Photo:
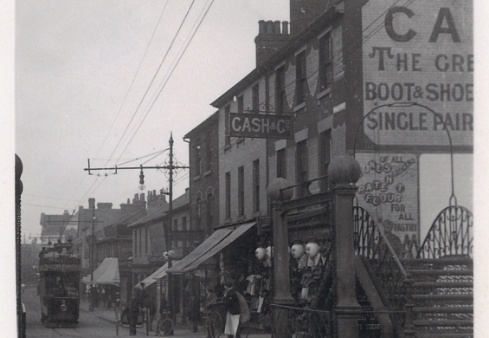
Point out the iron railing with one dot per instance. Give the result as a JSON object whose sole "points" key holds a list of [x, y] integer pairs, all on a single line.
{"points": [[450, 234], [305, 322], [388, 273]]}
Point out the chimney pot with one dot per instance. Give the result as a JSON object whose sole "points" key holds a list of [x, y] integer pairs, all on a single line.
{"points": [[269, 29], [285, 28], [276, 27], [261, 27]]}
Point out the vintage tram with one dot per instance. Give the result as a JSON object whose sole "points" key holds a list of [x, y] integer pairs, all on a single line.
{"points": [[59, 285]]}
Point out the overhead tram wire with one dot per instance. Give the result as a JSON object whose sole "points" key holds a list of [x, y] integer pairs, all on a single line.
{"points": [[168, 78], [151, 83], [180, 52], [140, 158], [123, 102], [90, 191], [132, 82]]}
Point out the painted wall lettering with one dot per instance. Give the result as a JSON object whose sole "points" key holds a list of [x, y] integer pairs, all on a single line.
{"points": [[387, 189], [422, 54]]}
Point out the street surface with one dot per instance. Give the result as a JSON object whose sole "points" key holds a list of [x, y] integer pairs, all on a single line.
{"points": [[97, 324]]}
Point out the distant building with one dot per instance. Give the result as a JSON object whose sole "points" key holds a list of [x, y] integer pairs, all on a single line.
{"points": [[53, 227]]}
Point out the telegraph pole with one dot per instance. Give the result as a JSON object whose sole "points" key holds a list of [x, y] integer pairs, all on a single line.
{"points": [[170, 167], [171, 293], [92, 263]]}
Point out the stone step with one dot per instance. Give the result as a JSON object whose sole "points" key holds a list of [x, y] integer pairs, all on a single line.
{"points": [[465, 284], [446, 309], [467, 323], [449, 297]]}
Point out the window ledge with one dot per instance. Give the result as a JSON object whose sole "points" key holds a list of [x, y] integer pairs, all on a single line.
{"points": [[299, 107], [196, 178], [208, 172], [324, 93]]}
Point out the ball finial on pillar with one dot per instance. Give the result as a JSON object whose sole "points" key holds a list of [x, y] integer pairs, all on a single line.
{"points": [[276, 190], [344, 170]]}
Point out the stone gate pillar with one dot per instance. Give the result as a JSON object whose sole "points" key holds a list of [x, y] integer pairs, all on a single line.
{"points": [[281, 279], [343, 173]]}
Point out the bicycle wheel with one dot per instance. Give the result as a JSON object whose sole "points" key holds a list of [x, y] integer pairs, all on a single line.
{"points": [[166, 326], [215, 324]]}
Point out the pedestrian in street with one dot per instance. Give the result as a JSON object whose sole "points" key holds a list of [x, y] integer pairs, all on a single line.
{"points": [[210, 300], [231, 302], [150, 311], [134, 308], [162, 310]]}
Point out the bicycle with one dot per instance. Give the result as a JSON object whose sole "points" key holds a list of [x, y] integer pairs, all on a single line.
{"points": [[214, 324], [165, 324]]}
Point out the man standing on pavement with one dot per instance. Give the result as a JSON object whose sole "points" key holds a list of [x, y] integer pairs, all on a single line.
{"points": [[134, 308]]}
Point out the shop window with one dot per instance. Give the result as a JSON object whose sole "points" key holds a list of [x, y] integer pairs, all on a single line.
{"points": [[241, 191], [255, 99], [325, 62], [240, 104], [184, 223], [302, 168], [281, 163], [324, 158], [280, 95], [210, 216], [227, 138], [228, 195], [146, 246], [208, 147], [256, 185], [337, 46], [140, 244], [300, 78], [198, 159]]}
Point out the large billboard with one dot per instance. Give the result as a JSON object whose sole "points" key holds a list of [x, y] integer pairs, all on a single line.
{"points": [[419, 52]]}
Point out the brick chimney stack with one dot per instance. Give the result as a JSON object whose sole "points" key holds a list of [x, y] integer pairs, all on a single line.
{"points": [[271, 37]]}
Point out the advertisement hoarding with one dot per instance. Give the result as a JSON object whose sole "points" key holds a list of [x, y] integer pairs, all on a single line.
{"points": [[422, 52]]}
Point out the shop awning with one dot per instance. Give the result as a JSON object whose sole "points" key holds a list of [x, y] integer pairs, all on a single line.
{"points": [[155, 276], [106, 273], [216, 242]]}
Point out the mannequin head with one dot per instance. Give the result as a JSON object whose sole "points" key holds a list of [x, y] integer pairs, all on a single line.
{"points": [[312, 249], [297, 251], [260, 253], [268, 252]]}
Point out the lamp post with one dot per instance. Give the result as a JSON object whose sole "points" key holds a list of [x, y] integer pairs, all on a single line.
{"points": [[92, 264], [343, 173], [281, 281]]}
